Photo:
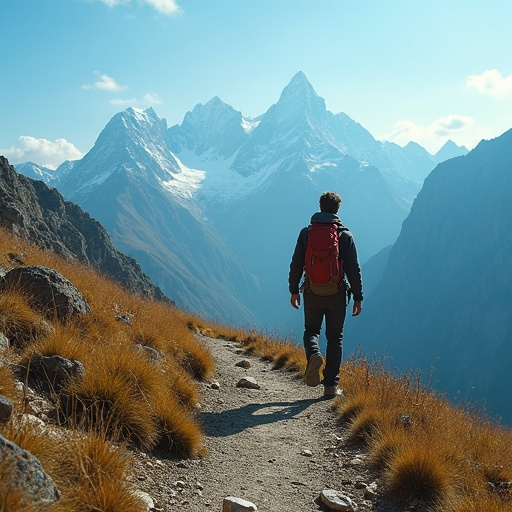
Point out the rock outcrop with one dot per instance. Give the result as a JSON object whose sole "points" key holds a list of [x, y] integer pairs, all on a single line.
{"points": [[38, 213]]}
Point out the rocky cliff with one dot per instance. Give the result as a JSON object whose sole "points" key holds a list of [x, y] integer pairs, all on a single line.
{"points": [[32, 210]]}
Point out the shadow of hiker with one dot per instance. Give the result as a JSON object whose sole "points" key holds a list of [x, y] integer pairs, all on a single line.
{"points": [[226, 423]]}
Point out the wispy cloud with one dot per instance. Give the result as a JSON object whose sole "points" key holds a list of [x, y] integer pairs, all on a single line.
{"points": [[162, 6], [430, 136], [152, 98], [41, 151], [105, 83], [491, 82], [149, 99]]}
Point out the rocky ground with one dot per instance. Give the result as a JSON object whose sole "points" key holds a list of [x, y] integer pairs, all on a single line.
{"points": [[277, 447]]}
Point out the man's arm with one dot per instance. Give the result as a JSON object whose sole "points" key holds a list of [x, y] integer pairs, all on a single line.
{"points": [[297, 268], [352, 269]]}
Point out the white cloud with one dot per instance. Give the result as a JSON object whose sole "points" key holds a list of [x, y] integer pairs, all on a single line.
{"points": [[433, 135], [41, 151], [491, 82], [152, 98], [105, 83], [162, 6]]}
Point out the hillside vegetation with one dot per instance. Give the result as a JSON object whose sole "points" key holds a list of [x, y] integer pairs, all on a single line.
{"points": [[424, 448]]}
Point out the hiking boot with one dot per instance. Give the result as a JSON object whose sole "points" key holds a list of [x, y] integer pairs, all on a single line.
{"points": [[333, 391], [312, 373]]}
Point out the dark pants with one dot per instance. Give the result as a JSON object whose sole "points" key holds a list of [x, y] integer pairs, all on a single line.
{"points": [[333, 308]]}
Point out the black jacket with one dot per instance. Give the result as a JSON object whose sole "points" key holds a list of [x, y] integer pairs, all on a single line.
{"points": [[348, 255]]}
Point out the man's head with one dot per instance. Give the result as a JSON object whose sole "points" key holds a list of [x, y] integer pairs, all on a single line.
{"points": [[330, 202]]}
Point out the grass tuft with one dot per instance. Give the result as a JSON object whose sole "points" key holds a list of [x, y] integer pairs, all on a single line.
{"points": [[418, 472]]}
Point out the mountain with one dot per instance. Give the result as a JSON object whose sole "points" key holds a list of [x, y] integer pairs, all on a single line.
{"points": [[445, 298], [260, 196], [38, 213], [36, 172], [132, 183], [412, 161], [223, 133], [211, 208], [450, 150]]}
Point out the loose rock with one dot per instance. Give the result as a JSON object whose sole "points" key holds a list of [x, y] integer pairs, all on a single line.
{"points": [[248, 382], [232, 504], [27, 476], [5, 409], [146, 499], [335, 500]]}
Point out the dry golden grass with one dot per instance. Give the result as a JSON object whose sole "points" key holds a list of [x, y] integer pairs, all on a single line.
{"points": [[422, 446], [418, 472], [7, 383], [124, 395], [97, 477], [18, 321], [284, 354]]}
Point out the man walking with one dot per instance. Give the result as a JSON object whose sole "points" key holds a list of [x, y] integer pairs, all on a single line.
{"points": [[325, 297]]}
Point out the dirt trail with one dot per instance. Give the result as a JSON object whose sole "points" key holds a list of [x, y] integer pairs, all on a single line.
{"points": [[278, 447]]}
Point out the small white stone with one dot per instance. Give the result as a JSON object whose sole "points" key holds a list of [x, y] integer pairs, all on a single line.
{"points": [[146, 499], [335, 500], [248, 382], [232, 504]]}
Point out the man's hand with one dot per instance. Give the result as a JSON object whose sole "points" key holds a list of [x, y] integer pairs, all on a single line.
{"points": [[356, 308], [295, 300]]}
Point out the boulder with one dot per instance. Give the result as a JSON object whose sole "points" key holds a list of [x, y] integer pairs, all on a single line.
{"points": [[47, 291], [53, 371], [28, 478], [5, 409]]}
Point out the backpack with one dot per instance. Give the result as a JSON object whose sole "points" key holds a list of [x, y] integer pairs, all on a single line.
{"points": [[324, 271]]}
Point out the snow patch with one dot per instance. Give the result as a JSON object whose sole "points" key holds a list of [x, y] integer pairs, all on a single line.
{"points": [[319, 167], [185, 184], [248, 125], [221, 183]]}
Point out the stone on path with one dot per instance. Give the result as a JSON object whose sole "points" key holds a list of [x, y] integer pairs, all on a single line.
{"points": [[146, 499], [232, 504], [248, 382], [244, 363], [336, 500]]}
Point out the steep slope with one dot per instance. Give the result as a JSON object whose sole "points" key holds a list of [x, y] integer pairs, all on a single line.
{"points": [[133, 184], [445, 299], [33, 210]]}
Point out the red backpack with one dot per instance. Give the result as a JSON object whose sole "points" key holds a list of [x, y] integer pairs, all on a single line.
{"points": [[324, 271]]}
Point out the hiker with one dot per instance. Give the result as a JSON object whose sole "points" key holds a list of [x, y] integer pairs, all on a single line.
{"points": [[326, 254]]}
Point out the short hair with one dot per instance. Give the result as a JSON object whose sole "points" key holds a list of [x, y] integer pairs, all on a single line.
{"points": [[330, 202]]}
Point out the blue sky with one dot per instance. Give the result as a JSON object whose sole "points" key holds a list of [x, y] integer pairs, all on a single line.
{"points": [[422, 70]]}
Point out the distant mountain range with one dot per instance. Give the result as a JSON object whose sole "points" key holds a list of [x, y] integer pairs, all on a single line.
{"points": [[211, 208], [443, 305]]}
